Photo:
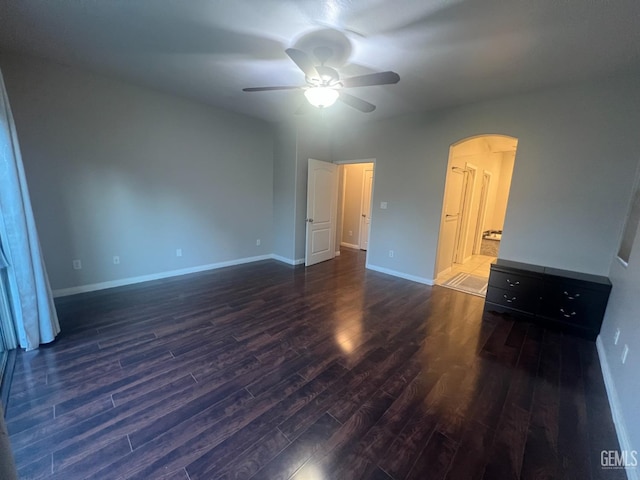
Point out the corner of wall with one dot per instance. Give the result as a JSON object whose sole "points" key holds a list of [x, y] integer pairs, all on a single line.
{"points": [[614, 405]]}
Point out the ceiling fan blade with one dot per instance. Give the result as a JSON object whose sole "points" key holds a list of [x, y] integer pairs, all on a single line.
{"points": [[380, 78], [356, 103], [303, 62], [266, 89]]}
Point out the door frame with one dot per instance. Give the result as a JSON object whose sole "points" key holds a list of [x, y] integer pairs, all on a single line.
{"points": [[451, 169], [436, 270], [363, 210], [341, 189], [482, 210], [471, 173]]}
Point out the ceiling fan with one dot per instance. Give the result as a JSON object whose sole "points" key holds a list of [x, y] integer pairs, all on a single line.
{"points": [[324, 85]]}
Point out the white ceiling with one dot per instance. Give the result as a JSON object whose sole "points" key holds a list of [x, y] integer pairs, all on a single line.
{"points": [[447, 52]]}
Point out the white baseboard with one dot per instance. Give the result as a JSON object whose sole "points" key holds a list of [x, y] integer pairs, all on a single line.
{"points": [[288, 261], [614, 405], [63, 292], [406, 276], [350, 245], [337, 253]]}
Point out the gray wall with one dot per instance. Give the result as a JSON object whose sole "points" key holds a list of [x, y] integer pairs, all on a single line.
{"points": [[115, 169], [573, 173], [284, 191], [623, 312]]}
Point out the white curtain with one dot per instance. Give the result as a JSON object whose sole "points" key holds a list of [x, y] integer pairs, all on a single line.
{"points": [[24, 279]]}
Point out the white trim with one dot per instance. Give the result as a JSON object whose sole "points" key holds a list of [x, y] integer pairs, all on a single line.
{"points": [[288, 261], [369, 211], [468, 206], [344, 172], [354, 161], [614, 405], [63, 292], [337, 253], [350, 245], [406, 276], [624, 264]]}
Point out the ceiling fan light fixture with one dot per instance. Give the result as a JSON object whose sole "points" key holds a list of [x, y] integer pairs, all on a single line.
{"points": [[321, 97]]}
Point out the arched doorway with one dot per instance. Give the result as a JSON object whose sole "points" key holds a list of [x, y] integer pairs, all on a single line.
{"points": [[475, 201]]}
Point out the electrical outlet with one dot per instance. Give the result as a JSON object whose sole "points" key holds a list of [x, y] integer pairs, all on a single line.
{"points": [[390, 253], [178, 252], [257, 242], [116, 260], [616, 337], [625, 352], [77, 265], [351, 233], [383, 205]]}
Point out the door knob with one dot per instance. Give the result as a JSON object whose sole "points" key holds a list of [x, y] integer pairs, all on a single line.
{"points": [[310, 220], [364, 216]]}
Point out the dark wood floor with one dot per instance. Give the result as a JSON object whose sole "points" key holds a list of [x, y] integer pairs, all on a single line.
{"points": [[266, 371]]}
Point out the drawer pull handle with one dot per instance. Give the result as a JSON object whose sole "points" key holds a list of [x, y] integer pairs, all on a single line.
{"points": [[509, 300], [512, 284], [567, 314], [572, 297]]}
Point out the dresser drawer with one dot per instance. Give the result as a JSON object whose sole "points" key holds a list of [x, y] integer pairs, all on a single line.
{"points": [[523, 301], [572, 304], [514, 282]]}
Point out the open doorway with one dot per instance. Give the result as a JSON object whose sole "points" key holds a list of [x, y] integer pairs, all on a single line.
{"points": [[354, 204], [476, 194]]}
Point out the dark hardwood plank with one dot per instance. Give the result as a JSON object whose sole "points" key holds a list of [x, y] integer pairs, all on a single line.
{"points": [[230, 449], [399, 456], [540, 459], [295, 455], [252, 460], [36, 469], [573, 431], [89, 459], [435, 459], [196, 436], [505, 460], [335, 449], [472, 455], [44, 430]]}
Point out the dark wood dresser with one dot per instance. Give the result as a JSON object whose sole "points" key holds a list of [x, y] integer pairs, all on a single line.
{"points": [[570, 301]]}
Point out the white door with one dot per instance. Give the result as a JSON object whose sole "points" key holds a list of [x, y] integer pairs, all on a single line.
{"points": [[365, 209], [322, 200], [450, 229]]}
